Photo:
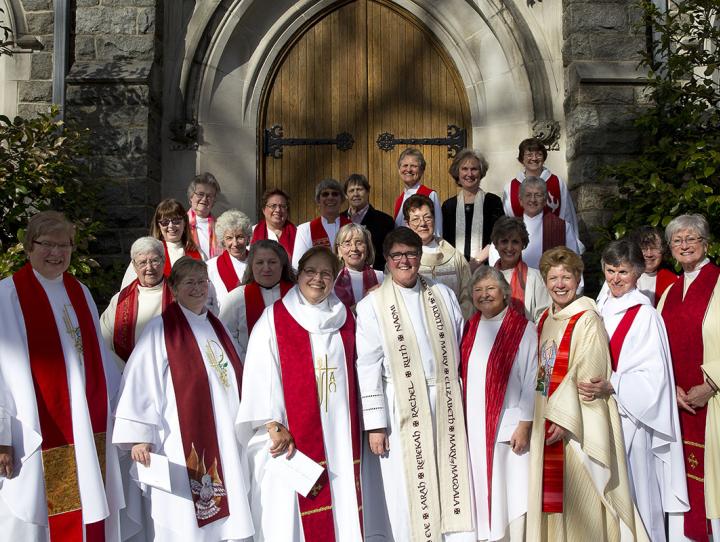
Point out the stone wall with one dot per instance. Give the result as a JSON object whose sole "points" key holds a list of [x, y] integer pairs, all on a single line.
{"points": [[34, 90]]}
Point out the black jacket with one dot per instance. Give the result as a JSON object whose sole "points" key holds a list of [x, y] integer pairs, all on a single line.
{"points": [[379, 224], [492, 210]]}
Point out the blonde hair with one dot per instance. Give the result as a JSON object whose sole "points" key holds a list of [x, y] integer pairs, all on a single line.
{"points": [[45, 223], [561, 256], [346, 232]]}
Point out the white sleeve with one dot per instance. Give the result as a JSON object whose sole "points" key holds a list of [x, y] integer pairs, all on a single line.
{"points": [[303, 243], [493, 255], [527, 357], [232, 314], [370, 358], [507, 204]]}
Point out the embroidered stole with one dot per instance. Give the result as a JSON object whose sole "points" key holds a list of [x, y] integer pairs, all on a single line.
{"points": [[554, 455], [286, 239], [686, 347], [476, 228], [422, 190], [192, 219], [255, 304], [499, 364], [437, 483], [618, 338], [194, 254], [518, 282], [52, 394], [344, 289], [318, 234], [195, 410], [553, 232], [126, 317], [227, 272], [303, 415], [552, 183], [663, 280]]}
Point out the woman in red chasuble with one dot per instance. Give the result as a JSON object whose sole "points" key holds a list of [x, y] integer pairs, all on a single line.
{"points": [[354, 247], [691, 310], [275, 223], [300, 398]]}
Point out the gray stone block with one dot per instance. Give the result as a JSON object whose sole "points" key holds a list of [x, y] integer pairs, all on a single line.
{"points": [[105, 20], [123, 47], [32, 110], [87, 3], [35, 91], [146, 21], [591, 17], [39, 22], [41, 66], [616, 47], [85, 48], [136, 3], [111, 71], [37, 5]]}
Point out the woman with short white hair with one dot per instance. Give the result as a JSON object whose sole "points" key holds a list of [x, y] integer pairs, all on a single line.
{"points": [[354, 248], [234, 230]]}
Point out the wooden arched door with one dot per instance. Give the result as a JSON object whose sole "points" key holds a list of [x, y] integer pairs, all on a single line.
{"points": [[365, 68]]}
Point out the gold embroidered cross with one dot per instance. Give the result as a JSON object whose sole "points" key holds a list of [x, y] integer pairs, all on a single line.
{"points": [[73, 331], [325, 381], [216, 358], [693, 461]]}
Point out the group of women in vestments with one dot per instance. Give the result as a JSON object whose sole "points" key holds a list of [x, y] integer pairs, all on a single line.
{"points": [[228, 362]]}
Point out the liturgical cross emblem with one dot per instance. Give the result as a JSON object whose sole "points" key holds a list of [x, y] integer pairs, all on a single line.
{"points": [[325, 377], [216, 358], [73, 331]]}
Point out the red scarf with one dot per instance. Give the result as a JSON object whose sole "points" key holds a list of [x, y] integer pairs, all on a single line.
{"points": [[500, 362], [255, 304], [195, 409], [126, 317], [286, 239], [194, 254], [422, 190], [553, 193], [318, 234], [554, 455], [227, 273], [663, 280], [343, 285], [618, 338], [52, 395], [303, 415], [192, 219], [517, 284], [553, 232], [683, 320]]}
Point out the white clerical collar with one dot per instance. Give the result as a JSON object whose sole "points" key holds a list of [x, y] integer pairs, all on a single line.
{"points": [[614, 305], [325, 221], [45, 280], [578, 304], [191, 316], [201, 220], [414, 288], [328, 316], [148, 289], [175, 244], [413, 187], [432, 246], [537, 218], [690, 275]]}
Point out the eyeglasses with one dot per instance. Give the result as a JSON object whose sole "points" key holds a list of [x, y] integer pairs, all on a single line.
{"points": [[324, 275], [192, 283], [204, 195], [678, 241], [277, 206], [539, 197], [165, 222], [152, 262], [329, 194], [353, 244], [417, 220], [47, 245], [397, 256]]}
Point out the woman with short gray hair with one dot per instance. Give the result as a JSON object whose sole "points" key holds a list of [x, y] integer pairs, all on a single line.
{"points": [[498, 367], [202, 194], [691, 310], [225, 271], [321, 231], [411, 167]]}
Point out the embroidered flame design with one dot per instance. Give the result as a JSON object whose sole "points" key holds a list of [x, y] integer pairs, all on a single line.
{"points": [[205, 484]]}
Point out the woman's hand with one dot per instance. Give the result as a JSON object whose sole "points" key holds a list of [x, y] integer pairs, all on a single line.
{"points": [[682, 400], [282, 440], [597, 388], [698, 396], [520, 439], [6, 461], [554, 434], [141, 453], [378, 440]]}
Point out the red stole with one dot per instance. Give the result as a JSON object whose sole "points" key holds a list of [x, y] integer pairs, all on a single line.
{"points": [[552, 184], [683, 320], [318, 234], [499, 365], [422, 190], [254, 303], [618, 338], [303, 414], [663, 280], [194, 254], [343, 285], [227, 273], [126, 317], [518, 282], [192, 220], [195, 411], [553, 231], [286, 239], [52, 395], [554, 455]]}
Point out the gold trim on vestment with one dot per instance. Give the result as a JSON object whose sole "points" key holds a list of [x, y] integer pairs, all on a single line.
{"points": [[696, 478], [315, 510], [691, 443], [61, 480]]}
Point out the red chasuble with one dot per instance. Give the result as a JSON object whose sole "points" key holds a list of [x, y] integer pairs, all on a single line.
{"points": [[554, 455], [254, 303], [422, 190], [553, 232], [192, 220], [686, 348], [499, 365], [553, 203], [618, 338], [126, 317], [318, 234], [343, 285], [52, 395], [227, 273], [303, 415], [194, 254], [286, 239], [195, 410], [517, 284]]}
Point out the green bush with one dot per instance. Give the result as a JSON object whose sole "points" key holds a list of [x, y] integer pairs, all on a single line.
{"points": [[678, 169]]}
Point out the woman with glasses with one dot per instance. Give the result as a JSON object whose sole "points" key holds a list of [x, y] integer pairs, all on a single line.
{"points": [[322, 230], [275, 224], [179, 397], [354, 247], [299, 395], [202, 194], [234, 229], [411, 168], [691, 311], [440, 262], [469, 216], [169, 225]]}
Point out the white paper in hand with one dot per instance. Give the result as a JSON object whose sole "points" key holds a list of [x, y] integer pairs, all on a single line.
{"points": [[157, 474], [299, 472]]}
